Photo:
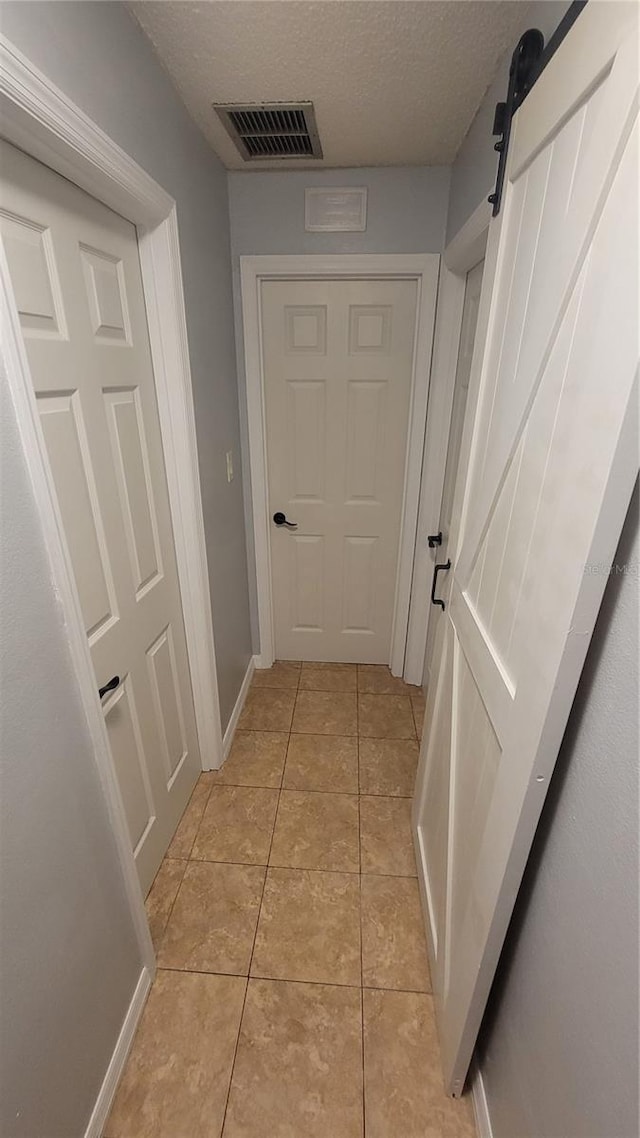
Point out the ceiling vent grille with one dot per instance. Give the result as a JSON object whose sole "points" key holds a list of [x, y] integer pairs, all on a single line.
{"points": [[268, 131]]}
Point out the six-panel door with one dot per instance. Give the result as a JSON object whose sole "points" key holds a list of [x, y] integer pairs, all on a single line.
{"points": [[76, 278], [338, 360]]}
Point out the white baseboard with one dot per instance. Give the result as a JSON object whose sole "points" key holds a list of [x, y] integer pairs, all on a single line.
{"points": [[237, 710], [118, 1059], [480, 1104]]}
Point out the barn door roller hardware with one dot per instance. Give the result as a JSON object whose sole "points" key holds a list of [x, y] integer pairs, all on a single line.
{"points": [[527, 64], [523, 61]]}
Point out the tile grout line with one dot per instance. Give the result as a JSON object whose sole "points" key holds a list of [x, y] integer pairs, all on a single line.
{"points": [[186, 860], [330, 691], [246, 987], [255, 933], [290, 980], [206, 803], [305, 868], [415, 721], [235, 1052], [312, 790], [323, 734], [170, 914], [364, 1107]]}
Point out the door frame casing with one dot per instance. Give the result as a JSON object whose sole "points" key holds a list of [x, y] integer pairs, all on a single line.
{"points": [[39, 119], [460, 256], [421, 267]]}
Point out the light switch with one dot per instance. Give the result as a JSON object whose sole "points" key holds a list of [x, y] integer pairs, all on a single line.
{"points": [[229, 457]]}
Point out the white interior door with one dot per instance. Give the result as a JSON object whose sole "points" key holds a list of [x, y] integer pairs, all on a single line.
{"points": [[337, 364], [76, 278], [552, 458], [473, 285]]}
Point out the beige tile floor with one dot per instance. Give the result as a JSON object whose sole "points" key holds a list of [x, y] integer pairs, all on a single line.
{"points": [[292, 998]]}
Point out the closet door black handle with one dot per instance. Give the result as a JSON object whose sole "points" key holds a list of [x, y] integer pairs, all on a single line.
{"points": [[110, 686], [446, 566], [280, 519]]}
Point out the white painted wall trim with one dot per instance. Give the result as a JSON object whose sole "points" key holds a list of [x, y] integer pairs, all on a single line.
{"points": [[480, 1104], [42, 121], [237, 707], [107, 1091], [423, 268], [468, 246], [162, 280], [463, 252]]}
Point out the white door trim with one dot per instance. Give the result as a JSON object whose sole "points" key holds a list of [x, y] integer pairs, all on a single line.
{"points": [[232, 725], [39, 119], [421, 267], [461, 254]]}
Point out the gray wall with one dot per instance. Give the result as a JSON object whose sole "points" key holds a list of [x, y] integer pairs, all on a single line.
{"points": [[473, 173], [69, 959], [97, 54], [407, 211], [559, 1048]]}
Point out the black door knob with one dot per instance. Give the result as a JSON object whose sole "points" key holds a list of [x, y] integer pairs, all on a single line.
{"points": [[280, 519]]}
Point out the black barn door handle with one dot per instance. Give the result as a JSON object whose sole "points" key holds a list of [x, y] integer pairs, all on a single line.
{"points": [[446, 567]]}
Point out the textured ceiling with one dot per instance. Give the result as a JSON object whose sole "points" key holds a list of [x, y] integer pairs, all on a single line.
{"points": [[394, 82]]}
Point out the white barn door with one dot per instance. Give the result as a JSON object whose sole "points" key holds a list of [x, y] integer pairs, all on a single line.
{"points": [[551, 458]]}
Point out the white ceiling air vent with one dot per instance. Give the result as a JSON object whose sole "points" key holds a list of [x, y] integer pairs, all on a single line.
{"points": [[267, 131]]}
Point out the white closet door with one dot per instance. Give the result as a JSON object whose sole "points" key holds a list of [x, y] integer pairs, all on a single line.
{"points": [[552, 459], [76, 278], [338, 361]]}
